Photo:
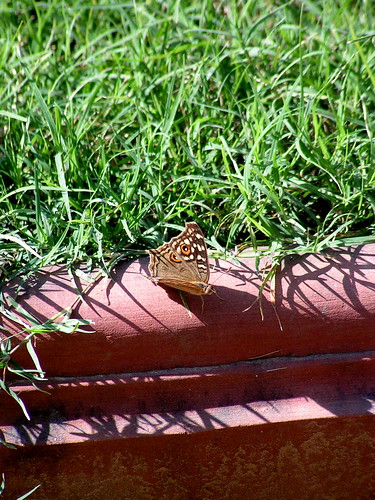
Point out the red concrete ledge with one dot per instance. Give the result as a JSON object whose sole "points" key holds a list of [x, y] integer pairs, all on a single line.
{"points": [[193, 430], [321, 386], [324, 304], [155, 402]]}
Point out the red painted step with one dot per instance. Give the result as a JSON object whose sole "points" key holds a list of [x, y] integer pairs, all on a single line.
{"points": [[178, 391]]}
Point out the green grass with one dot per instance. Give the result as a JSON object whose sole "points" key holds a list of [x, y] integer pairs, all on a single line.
{"points": [[120, 121]]}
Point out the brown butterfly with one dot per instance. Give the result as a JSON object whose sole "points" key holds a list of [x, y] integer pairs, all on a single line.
{"points": [[183, 263]]}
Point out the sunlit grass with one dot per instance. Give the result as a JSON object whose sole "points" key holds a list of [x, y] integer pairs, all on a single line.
{"points": [[120, 121]]}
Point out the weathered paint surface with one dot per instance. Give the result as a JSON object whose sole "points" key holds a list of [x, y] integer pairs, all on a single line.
{"points": [[156, 402], [300, 459], [324, 305]]}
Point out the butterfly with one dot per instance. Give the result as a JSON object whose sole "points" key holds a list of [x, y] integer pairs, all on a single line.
{"points": [[182, 263]]}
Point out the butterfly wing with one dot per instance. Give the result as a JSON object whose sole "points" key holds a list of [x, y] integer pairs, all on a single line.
{"points": [[190, 244], [183, 263]]}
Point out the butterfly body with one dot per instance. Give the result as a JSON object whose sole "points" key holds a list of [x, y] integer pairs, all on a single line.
{"points": [[183, 263]]}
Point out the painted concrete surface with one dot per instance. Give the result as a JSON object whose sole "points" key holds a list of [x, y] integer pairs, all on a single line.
{"points": [[234, 398]]}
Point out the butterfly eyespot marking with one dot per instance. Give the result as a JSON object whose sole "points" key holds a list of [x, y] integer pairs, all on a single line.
{"points": [[185, 249], [174, 258]]}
